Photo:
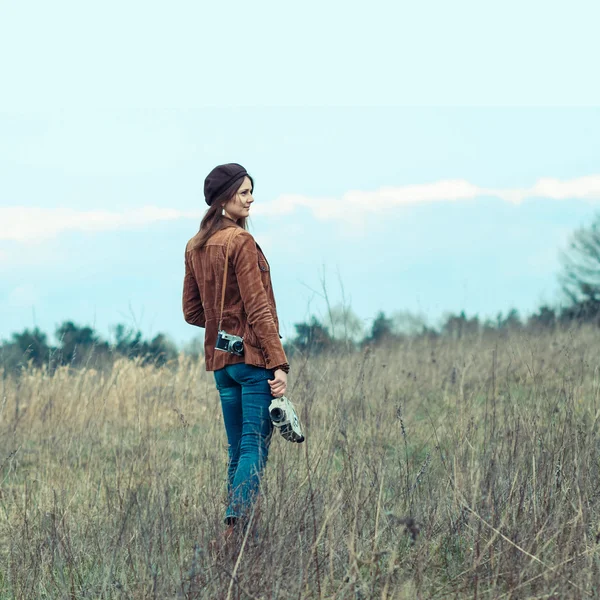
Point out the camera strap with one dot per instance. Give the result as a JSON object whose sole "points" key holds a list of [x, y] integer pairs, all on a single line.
{"points": [[233, 234]]}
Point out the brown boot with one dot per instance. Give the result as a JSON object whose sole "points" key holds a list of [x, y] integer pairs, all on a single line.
{"points": [[224, 544], [229, 533]]}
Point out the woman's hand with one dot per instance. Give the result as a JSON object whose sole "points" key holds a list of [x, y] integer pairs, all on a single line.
{"points": [[278, 383]]}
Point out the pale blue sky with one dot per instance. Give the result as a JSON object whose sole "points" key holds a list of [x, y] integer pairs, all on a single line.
{"points": [[110, 118], [189, 53]]}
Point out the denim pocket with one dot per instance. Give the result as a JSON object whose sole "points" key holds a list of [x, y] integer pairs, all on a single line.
{"points": [[248, 374]]}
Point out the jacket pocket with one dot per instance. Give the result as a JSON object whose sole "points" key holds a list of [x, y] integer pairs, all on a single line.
{"points": [[263, 265]]}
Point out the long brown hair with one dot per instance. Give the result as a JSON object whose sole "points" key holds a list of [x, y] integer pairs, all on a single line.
{"points": [[213, 218]]}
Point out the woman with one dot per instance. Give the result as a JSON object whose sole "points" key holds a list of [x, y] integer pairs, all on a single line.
{"points": [[227, 287]]}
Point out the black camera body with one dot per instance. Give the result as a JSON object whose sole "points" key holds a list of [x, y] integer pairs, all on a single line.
{"points": [[227, 342]]}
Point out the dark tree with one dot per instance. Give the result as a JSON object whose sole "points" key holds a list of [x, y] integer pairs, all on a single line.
{"points": [[127, 341], [26, 347], [311, 337], [457, 326], [78, 344], [512, 320], [131, 344], [381, 330], [580, 276], [160, 350], [545, 318], [584, 311]]}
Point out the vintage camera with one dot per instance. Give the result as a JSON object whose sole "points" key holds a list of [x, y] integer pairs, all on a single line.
{"points": [[284, 417], [227, 342]]}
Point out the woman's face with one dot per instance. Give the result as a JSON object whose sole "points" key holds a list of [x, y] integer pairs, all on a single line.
{"points": [[239, 205]]}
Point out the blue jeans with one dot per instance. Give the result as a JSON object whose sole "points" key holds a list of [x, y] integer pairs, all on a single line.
{"points": [[245, 398]]}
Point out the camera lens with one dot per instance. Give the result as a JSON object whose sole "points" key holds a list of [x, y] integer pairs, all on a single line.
{"points": [[237, 346], [277, 414]]}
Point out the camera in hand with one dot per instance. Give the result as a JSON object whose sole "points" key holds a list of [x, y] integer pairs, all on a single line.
{"points": [[227, 342], [284, 417]]}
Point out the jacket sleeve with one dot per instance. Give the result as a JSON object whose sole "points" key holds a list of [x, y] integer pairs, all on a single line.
{"points": [[256, 304], [193, 311]]}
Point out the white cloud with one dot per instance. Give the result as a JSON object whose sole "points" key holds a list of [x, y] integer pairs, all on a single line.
{"points": [[582, 188], [22, 224], [353, 205], [413, 194]]}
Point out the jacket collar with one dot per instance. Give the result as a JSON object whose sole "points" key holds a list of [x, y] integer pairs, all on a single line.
{"points": [[227, 222]]}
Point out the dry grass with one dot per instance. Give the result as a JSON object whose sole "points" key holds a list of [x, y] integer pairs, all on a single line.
{"points": [[437, 469]]}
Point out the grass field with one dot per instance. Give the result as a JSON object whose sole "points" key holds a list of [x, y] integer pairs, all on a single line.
{"points": [[436, 469]]}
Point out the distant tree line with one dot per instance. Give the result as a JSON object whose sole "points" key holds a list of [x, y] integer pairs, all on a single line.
{"points": [[339, 330], [81, 346], [315, 337], [580, 283]]}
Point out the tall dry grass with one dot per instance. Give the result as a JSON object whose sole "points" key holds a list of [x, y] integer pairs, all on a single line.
{"points": [[462, 469]]}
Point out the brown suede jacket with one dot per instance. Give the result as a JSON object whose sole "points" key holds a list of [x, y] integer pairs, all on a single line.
{"points": [[249, 310]]}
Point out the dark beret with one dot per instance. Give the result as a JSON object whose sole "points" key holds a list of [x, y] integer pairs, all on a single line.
{"points": [[220, 178]]}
